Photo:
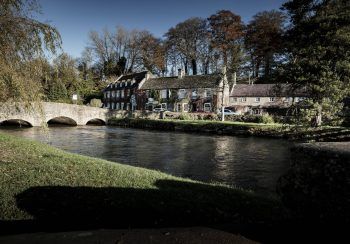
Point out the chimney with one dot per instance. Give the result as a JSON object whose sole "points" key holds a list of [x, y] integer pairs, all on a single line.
{"points": [[180, 73]]}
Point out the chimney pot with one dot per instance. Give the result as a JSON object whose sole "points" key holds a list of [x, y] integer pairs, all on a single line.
{"points": [[181, 73]]}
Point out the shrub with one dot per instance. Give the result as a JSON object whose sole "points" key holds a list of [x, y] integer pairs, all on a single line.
{"points": [[184, 116], [96, 103], [265, 119]]}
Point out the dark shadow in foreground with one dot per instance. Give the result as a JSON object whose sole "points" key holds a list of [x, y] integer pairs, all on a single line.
{"points": [[171, 204]]}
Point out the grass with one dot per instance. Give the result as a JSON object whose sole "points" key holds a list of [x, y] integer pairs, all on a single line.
{"points": [[42, 187]]}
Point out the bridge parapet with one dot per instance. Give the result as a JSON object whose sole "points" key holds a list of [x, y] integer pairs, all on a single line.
{"points": [[37, 114]]}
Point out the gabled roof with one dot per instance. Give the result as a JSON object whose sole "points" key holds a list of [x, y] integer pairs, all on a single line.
{"points": [[267, 90], [137, 76], [186, 82]]}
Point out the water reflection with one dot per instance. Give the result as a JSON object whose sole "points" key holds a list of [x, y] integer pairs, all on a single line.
{"points": [[250, 163]]}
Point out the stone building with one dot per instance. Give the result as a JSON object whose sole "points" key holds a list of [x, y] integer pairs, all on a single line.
{"points": [[197, 93], [182, 93], [263, 98], [121, 94]]}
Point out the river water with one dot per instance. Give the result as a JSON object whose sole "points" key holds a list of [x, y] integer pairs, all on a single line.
{"points": [[247, 162]]}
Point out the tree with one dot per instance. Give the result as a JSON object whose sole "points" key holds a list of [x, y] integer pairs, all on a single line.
{"points": [[263, 40], [319, 57], [22, 40], [226, 30], [152, 53], [185, 38]]}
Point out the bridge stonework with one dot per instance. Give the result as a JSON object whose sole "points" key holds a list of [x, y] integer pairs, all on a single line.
{"points": [[37, 114]]}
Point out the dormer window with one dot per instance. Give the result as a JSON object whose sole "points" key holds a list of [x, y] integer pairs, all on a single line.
{"points": [[257, 99], [271, 99]]}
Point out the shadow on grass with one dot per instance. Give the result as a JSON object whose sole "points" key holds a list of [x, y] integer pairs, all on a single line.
{"points": [[171, 204]]}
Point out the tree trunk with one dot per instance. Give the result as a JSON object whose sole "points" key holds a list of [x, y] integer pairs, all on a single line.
{"points": [[206, 67], [194, 66], [267, 65], [186, 66], [257, 67], [318, 117]]}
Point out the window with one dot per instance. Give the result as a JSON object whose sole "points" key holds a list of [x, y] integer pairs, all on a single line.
{"points": [[117, 107], [118, 94], [113, 105], [127, 92], [207, 92], [108, 94], [164, 105], [122, 93], [113, 93], [243, 99], [288, 100], [105, 95], [207, 107], [194, 94], [185, 106], [256, 111], [233, 99], [182, 93], [108, 105], [122, 106], [178, 107], [271, 99], [257, 99], [164, 93], [128, 106]]}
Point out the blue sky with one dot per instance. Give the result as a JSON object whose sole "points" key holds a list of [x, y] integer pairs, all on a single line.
{"points": [[75, 18]]}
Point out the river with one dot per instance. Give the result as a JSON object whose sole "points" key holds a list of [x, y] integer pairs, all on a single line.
{"points": [[247, 162]]}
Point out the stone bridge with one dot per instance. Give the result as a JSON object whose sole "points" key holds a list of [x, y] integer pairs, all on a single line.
{"points": [[49, 112]]}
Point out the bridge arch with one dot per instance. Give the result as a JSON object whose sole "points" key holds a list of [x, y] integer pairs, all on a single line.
{"points": [[62, 120], [96, 121], [16, 122]]}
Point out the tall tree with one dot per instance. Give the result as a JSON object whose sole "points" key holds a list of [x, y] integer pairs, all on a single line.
{"points": [[263, 40], [226, 29], [185, 38], [22, 39], [319, 44], [152, 53]]}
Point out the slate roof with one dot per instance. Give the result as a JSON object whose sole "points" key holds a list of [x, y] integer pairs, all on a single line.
{"points": [[186, 82], [137, 76], [267, 90]]}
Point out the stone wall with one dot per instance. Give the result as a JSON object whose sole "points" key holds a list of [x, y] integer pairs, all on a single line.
{"points": [[38, 113], [317, 186]]}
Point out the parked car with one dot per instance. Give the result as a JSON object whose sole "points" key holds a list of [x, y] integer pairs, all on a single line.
{"points": [[158, 109], [229, 112]]}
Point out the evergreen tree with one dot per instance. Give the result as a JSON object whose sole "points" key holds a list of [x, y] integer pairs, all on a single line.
{"points": [[318, 49]]}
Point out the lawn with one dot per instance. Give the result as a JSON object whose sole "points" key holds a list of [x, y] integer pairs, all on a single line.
{"points": [[42, 187]]}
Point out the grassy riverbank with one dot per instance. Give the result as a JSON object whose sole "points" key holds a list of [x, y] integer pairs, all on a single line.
{"points": [[42, 187], [239, 128]]}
